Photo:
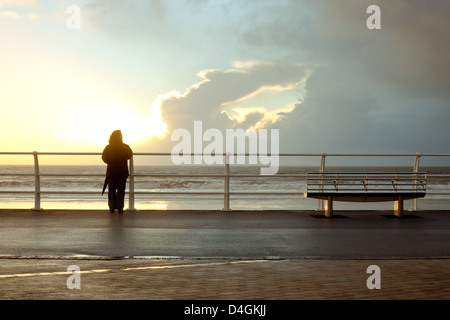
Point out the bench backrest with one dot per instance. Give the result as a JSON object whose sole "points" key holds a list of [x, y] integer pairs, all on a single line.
{"points": [[367, 182]]}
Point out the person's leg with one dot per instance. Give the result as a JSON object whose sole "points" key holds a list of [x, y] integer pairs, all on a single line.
{"points": [[112, 194], [120, 199]]}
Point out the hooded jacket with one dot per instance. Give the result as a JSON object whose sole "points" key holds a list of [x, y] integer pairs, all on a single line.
{"points": [[116, 157]]}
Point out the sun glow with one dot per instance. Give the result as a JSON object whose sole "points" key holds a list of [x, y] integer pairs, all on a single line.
{"points": [[93, 125]]}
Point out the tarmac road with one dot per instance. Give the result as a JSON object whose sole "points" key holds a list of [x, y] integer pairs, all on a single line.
{"points": [[236, 234]]}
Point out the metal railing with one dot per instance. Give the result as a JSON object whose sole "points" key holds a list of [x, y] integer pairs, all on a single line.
{"points": [[226, 175], [369, 182]]}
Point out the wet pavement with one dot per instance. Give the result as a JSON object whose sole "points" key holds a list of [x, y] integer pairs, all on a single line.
{"points": [[223, 234], [274, 255]]}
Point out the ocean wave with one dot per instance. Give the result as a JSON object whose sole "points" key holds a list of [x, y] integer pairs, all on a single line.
{"points": [[280, 183], [181, 184], [16, 183]]}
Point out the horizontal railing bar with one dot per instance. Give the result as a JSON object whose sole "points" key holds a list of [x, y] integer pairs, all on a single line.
{"points": [[221, 193], [199, 193], [305, 174], [70, 175], [367, 189], [11, 191], [272, 176], [53, 174], [180, 175], [196, 193], [206, 176], [127, 192], [222, 175], [209, 175], [352, 175], [70, 192], [216, 175], [363, 189], [359, 179], [69, 153], [370, 183], [191, 176], [327, 173], [16, 153], [18, 174], [367, 192], [359, 187], [366, 179], [296, 154], [246, 154], [186, 193]]}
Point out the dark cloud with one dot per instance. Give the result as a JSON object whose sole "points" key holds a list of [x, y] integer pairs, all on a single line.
{"points": [[378, 90]]}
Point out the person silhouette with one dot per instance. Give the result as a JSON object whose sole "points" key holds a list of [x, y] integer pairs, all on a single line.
{"points": [[116, 155]]}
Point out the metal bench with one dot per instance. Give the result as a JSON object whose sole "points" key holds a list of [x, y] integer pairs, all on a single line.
{"points": [[366, 187]]}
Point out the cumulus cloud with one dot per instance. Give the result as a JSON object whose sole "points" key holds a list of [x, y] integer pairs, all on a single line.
{"points": [[207, 99], [213, 99]]}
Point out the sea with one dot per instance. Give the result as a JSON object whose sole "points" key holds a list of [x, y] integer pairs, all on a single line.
{"points": [[171, 183]]}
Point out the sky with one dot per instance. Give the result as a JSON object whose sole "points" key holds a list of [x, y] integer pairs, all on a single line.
{"points": [[312, 70]]}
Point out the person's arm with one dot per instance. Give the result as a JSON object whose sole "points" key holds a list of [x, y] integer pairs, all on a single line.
{"points": [[129, 152], [105, 155]]}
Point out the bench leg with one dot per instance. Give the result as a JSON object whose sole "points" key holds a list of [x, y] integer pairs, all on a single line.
{"points": [[398, 207], [329, 207]]}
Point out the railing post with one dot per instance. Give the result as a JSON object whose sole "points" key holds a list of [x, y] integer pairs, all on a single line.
{"points": [[37, 183], [321, 169], [415, 169], [226, 196], [131, 187]]}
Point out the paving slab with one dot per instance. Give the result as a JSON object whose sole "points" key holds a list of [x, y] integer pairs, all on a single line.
{"points": [[208, 255]]}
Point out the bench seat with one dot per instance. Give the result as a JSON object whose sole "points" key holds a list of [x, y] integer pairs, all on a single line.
{"points": [[364, 197], [365, 187]]}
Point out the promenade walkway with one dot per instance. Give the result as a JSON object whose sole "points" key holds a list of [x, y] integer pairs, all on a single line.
{"points": [[215, 255], [210, 279]]}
